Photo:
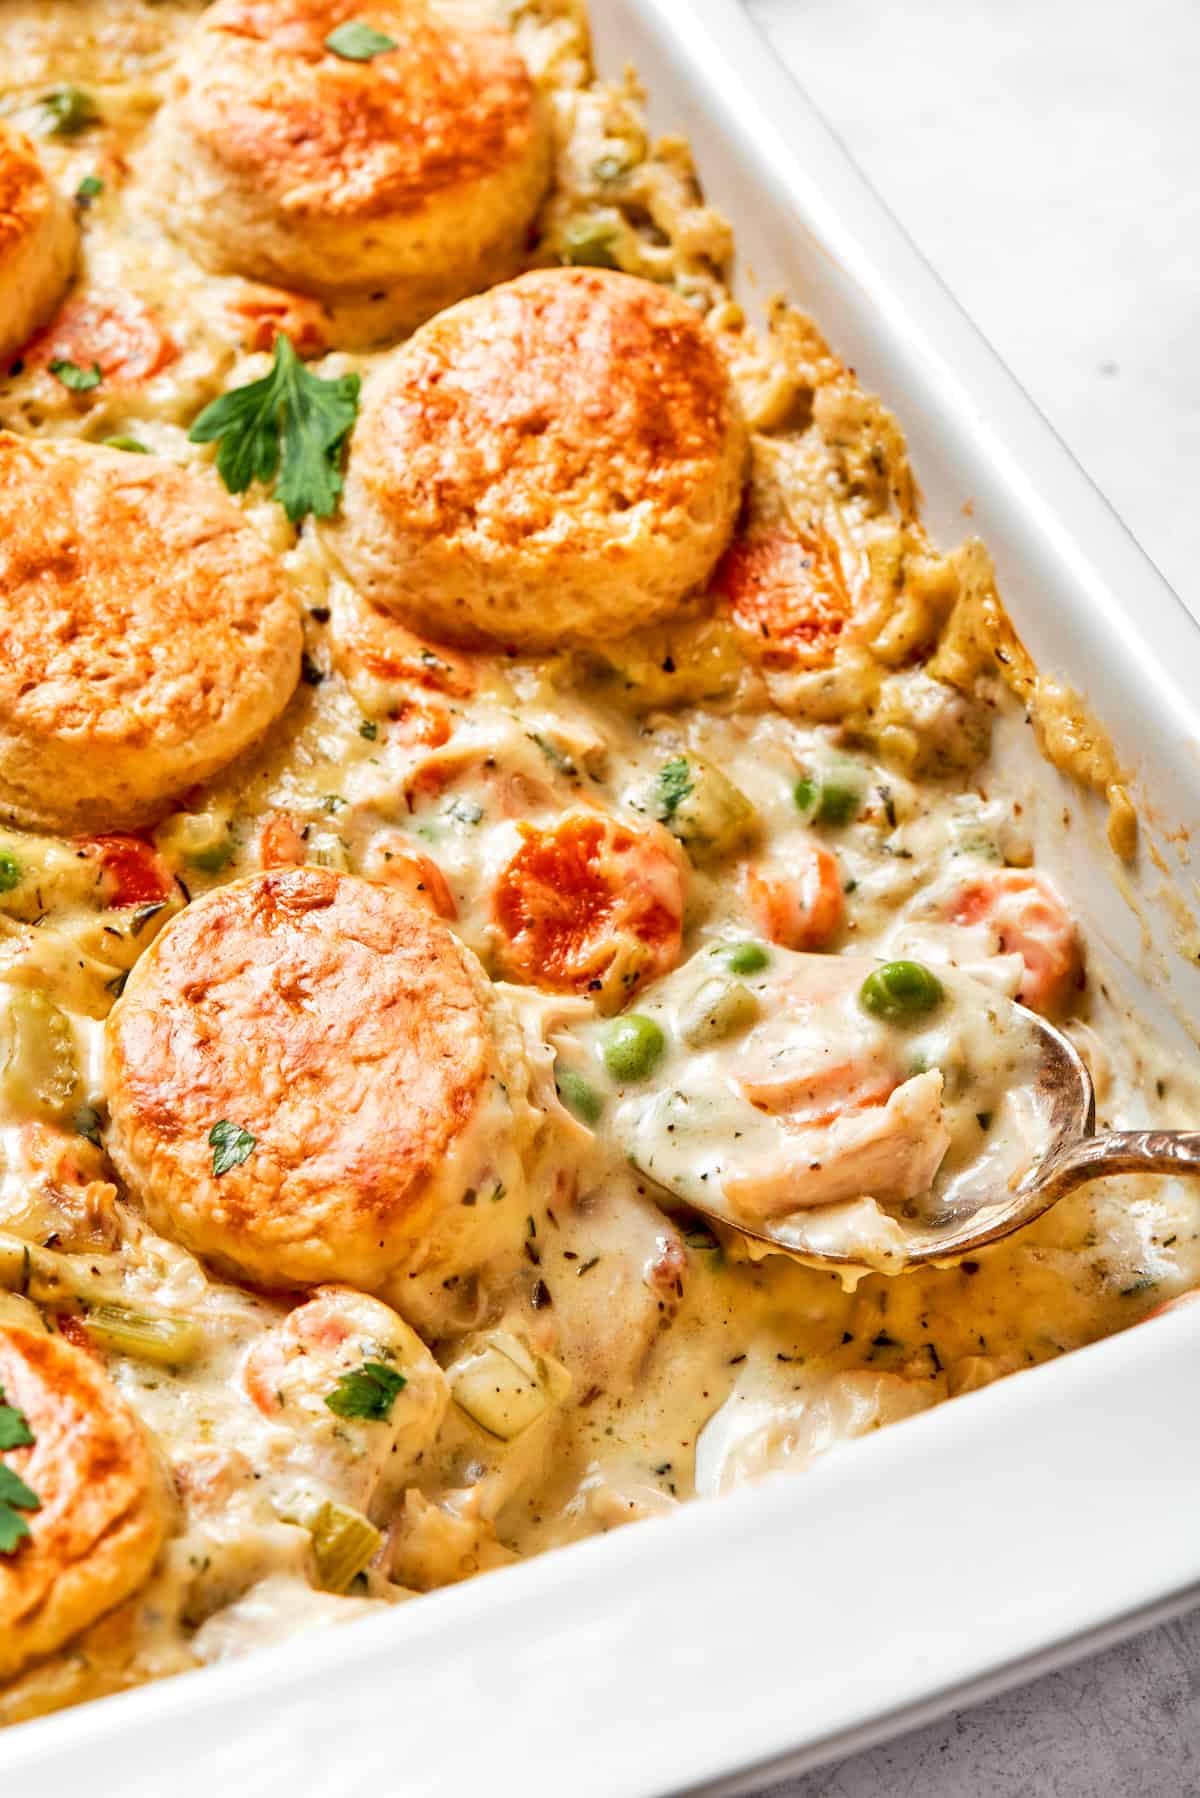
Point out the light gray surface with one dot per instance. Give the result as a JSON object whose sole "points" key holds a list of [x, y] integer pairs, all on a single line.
{"points": [[1042, 155], [1125, 1724]]}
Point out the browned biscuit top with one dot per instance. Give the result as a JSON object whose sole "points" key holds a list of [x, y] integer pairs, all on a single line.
{"points": [[103, 1507], [342, 1029], [357, 139]]}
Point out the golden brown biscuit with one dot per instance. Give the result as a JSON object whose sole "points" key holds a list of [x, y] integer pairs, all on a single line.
{"points": [[555, 461], [358, 1043], [410, 176], [146, 635], [103, 1501], [38, 242]]}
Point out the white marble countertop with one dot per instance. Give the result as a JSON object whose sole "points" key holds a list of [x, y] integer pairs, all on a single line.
{"points": [[1043, 155]]}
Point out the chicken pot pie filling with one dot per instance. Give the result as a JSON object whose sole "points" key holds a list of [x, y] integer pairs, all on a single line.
{"points": [[361, 1054]]}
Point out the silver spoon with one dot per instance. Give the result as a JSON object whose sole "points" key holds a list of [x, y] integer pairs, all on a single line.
{"points": [[1073, 1155]]}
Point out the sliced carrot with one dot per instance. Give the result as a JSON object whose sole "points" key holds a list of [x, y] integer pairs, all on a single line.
{"points": [[393, 862], [261, 314], [802, 907], [1030, 920], [131, 871], [281, 844], [420, 723], [589, 903], [788, 590], [70, 1326], [113, 330]]}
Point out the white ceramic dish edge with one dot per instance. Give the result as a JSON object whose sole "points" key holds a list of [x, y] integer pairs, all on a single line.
{"points": [[938, 1561]]}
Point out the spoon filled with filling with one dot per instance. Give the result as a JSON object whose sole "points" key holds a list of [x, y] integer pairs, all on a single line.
{"points": [[850, 1112]]}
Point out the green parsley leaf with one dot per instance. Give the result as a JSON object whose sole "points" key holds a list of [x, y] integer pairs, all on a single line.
{"points": [[15, 1496], [88, 190], [292, 425], [231, 1145], [368, 729], [356, 42], [14, 1425], [79, 380], [674, 783], [66, 111], [368, 1391], [13, 1529], [129, 444]]}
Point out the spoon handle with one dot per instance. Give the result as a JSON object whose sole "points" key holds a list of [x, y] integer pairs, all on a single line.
{"points": [[1123, 1152]]}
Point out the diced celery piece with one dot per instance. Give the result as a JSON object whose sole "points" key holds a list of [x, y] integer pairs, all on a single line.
{"points": [[503, 1387], [37, 1054], [590, 241], [15, 1261], [53, 1278], [711, 817], [146, 1336], [343, 1541], [717, 1009]]}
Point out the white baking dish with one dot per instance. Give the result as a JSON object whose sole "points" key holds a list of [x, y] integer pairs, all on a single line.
{"points": [[963, 1550]]}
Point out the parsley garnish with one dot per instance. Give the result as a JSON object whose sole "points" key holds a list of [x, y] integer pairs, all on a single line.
{"points": [[79, 380], [14, 1426], [89, 188], [674, 783], [66, 111], [15, 1495], [291, 425], [368, 1391], [356, 42], [230, 1144]]}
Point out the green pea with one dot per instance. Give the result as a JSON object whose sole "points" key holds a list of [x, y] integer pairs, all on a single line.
{"points": [[578, 1095], [833, 798], [10, 871], [745, 958], [66, 111], [589, 243], [632, 1047], [718, 1009], [899, 991]]}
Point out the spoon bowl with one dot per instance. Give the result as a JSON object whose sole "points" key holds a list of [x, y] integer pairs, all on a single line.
{"points": [[979, 1213]]}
